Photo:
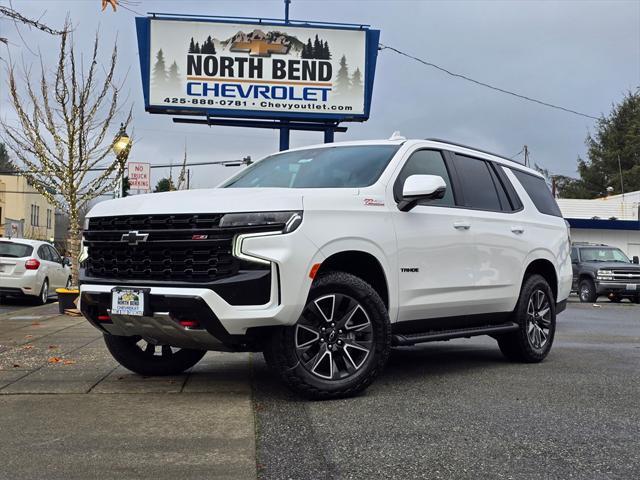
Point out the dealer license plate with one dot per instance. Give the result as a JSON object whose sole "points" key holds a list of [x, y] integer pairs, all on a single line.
{"points": [[127, 301], [631, 286]]}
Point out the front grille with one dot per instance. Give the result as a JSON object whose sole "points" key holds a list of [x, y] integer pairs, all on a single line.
{"points": [[180, 248], [627, 276]]}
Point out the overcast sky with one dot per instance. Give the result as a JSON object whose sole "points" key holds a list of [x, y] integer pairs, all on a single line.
{"points": [[583, 55]]}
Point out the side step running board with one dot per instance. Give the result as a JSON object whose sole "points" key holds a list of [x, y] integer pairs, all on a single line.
{"points": [[435, 335]]}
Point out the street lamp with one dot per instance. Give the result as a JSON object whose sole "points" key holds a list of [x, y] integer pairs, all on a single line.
{"points": [[121, 147]]}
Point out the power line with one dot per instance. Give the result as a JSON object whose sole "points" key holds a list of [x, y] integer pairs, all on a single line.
{"points": [[483, 84], [231, 163]]}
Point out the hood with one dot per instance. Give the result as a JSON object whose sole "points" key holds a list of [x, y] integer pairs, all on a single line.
{"points": [[614, 266], [211, 200]]}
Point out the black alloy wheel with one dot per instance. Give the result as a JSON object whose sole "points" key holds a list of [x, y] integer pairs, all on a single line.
{"points": [[340, 343]]}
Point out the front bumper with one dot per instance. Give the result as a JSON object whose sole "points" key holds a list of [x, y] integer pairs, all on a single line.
{"points": [[604, 287], [226, 325]]}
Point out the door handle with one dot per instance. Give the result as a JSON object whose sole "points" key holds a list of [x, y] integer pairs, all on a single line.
{"points": [[517, 229], [461, 225]]}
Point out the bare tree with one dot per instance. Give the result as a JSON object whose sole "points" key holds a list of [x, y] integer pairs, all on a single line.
{"points": [[62, 131], [17, 17]]}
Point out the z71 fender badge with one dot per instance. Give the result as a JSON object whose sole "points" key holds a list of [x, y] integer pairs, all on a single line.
{"points": [[372, 202], [409, 270]]}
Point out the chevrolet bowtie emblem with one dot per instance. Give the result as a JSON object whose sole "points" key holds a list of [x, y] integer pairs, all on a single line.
{"points": [[133, 238], [258, 47]]}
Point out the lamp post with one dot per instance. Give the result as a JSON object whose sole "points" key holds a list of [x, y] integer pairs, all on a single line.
{"points": [[121, 147]]}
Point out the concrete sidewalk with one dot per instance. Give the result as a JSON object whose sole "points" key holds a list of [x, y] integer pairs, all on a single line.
{"points": [[68, 411]]}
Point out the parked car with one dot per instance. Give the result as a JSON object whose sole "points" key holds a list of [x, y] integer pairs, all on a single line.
{"points": [[325, 257], [31, 268], [602, 270]]}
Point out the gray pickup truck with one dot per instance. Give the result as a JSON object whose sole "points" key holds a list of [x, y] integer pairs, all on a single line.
{"points": [[600, 269]]}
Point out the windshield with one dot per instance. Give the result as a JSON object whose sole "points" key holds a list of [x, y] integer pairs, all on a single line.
{"points": [[603, 255], [329, 167], [15, 250]]}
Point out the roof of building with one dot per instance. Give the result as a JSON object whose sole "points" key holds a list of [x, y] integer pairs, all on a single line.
{"points": [[614, 207]]}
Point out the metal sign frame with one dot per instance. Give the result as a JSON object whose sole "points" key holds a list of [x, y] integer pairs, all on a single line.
{"points": [[143, 27]]}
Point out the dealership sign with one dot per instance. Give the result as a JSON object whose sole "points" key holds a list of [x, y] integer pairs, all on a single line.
{"points": [[139, 176], [254, 69]]}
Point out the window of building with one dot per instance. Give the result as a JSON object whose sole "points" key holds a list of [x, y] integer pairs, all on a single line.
{"points": [[49, 218]]}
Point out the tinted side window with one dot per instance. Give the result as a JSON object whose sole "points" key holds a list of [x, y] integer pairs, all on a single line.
{"points": [[55, 256], [477, 185], [539, 193], [574, 255], [425, 162], [43, 253]]}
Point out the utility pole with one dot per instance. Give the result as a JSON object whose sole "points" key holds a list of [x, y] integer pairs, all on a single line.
{"points": [[621, 182], [526, 156], [188, 178]]}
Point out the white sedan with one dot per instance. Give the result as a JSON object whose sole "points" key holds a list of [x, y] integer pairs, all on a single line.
{"points": [[32, 268]]}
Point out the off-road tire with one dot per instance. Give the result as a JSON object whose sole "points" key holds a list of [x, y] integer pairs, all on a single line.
{"points": [[587, 291], [280, 352], [517, 346], [129, 354]]}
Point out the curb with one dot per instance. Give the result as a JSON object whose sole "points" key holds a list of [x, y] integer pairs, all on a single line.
{"points": [[36, 309]]}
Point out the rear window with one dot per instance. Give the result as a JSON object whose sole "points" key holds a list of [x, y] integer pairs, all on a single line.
{"points": [[15, 250], [539, 193], [478, 186]]}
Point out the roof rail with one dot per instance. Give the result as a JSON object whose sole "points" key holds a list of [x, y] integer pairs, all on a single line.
{"points": [[439, 140]]}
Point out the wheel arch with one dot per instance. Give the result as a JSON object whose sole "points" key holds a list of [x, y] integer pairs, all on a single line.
{"points": [[363, 265], [545, 268]]}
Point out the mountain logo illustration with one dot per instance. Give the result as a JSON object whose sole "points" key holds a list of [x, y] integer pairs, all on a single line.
{"points": [[259, 44]]}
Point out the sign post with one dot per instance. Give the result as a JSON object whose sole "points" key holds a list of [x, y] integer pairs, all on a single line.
{"points": [[258, 71]]}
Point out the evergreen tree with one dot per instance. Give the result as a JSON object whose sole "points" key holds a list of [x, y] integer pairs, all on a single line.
{"points": [[317, 48], [326, 54], [164, 185], [208, 46], [356, 82], [174, 76], [6, 166], [192, 46], [198, 48], [343, 84], [159, 70], [307, 50], [617, 136]]}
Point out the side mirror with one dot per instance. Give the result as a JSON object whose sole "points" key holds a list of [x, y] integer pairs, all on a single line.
{"points": [[636, 260], [421, 187], [66, 262]]}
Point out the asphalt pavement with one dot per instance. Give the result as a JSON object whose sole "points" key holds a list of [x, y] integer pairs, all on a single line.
{"points": [[459, 410], [451, 410]]}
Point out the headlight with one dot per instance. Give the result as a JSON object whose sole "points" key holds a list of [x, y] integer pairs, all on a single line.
{"points": [[605, 275], [287, 221], [84, 252]]}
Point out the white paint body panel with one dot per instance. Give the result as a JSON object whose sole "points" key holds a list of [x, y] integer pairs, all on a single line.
{"points": [[461, 272]]}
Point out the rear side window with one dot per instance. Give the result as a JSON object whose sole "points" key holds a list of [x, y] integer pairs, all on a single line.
{"points": [[43, 253], [478, 186], [539, 193], [15, 250], [425, 162]]}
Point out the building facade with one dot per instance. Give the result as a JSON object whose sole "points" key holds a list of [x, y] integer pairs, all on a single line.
{"points": [[21, 203], [613, 220]]}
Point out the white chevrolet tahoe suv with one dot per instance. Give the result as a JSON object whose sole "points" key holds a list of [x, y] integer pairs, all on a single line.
{"points": [[325, 257]]}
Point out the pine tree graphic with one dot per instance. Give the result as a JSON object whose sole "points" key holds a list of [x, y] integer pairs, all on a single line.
{"points": [[356, 83], [343, 83], [173, 79], [159, 75]]}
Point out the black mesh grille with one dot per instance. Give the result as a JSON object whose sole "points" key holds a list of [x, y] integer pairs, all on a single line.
{"points": [[185, 248]]}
